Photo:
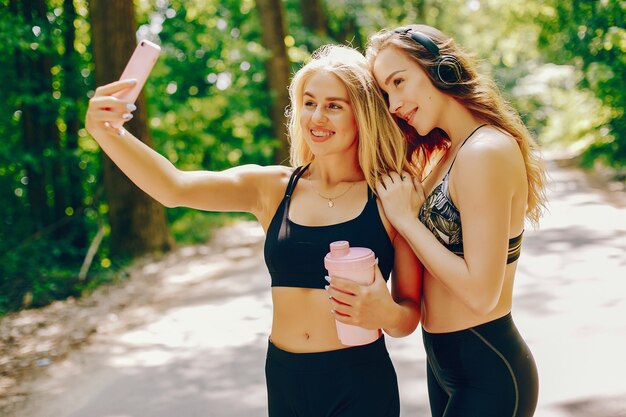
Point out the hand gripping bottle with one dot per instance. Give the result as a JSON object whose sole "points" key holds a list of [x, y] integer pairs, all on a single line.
{"points": [[356, 264]]}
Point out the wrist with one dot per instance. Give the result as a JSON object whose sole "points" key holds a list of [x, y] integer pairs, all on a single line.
{"points": [[393, 318], [403, 225]]}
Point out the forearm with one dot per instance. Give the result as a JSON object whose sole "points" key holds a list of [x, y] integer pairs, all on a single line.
{"points": [[145, 167], [403, 319], [449, 269]]}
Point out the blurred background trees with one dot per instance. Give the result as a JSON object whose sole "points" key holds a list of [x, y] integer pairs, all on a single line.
{"points": [[591, 37], [217, 96]]}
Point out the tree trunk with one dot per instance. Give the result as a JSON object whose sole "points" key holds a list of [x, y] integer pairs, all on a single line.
{"points": [[41, 136], [72, 94], [314, 17], [277, 69], [137, 222]]}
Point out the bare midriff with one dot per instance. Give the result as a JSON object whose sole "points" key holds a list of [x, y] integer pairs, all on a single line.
{"points": [[302, 321], [443, 312]]}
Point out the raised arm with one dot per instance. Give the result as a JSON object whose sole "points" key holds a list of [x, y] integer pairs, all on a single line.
{"points": [[484, 181], [243, 188]]}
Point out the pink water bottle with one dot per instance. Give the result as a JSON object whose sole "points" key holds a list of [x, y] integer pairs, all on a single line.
{"points": [[356, 264]]}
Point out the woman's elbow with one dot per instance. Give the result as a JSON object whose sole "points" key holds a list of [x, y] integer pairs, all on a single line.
{"points": [[171, 194], [172, 198], [482, 305], [168, 203], [409, 321]]}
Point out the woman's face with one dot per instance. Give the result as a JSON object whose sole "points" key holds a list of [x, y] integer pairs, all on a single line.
{"points": [[412, 96], [327, 119]]}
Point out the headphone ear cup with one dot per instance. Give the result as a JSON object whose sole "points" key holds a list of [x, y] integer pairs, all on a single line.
{"points": [[449, 70]]}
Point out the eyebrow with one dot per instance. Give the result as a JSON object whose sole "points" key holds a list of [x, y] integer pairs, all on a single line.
{"points": [[391, 75], [306, 93]]}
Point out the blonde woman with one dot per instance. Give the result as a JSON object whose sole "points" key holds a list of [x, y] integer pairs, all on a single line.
{"points": [[342, 140], [464, 218]]}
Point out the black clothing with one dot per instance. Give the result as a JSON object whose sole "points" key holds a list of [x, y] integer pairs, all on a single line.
{"points": [[294, 253]]}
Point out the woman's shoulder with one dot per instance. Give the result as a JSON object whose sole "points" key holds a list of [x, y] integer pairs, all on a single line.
{"points": [[279, 174], [271, 183], [490, 148], [263, 174], [492, 160]]}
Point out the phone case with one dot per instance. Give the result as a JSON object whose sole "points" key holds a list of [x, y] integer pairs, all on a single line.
{"points": [[138, 67]]}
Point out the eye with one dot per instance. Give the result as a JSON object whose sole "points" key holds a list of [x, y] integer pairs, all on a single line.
{"points": [[397, 82], [334, 106], [309, 103]]}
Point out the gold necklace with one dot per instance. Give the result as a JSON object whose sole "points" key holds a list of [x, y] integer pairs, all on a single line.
{"points": [[331, 203]]}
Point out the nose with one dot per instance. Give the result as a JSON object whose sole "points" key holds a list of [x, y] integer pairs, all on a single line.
{"points": [[394, 105], [318, 115]]}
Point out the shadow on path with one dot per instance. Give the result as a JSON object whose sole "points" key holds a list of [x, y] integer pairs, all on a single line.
{"points": [[201, 348]]}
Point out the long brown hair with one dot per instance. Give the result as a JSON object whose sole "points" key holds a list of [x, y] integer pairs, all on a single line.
{"points": [[477, 92]]}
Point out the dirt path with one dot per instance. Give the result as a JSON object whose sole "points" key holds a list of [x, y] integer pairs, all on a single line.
{"points": [[186, 335]]}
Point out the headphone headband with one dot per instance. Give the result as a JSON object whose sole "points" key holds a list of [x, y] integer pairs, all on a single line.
{"points": [[447, 69], [420, 38]]}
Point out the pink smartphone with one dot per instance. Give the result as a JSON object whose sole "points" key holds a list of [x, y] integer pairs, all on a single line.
{"points": [[138, 67]]}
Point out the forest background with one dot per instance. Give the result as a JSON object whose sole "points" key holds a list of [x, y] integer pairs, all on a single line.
{"points": [[70, 221]]}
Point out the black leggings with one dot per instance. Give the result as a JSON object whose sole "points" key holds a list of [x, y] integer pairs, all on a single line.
{"points": [[358, 381], [483, 371]]}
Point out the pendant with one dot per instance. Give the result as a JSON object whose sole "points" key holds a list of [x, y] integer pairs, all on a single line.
{"points": [[331, 204]]}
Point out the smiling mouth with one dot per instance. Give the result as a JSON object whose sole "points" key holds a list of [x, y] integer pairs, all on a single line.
{"points": [[321, 133], [409, 115]]}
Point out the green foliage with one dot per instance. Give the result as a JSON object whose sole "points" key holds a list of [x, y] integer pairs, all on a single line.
{"points": [[40, 256], [192, 226], [591, 36], [562, 63], [209, 104]]}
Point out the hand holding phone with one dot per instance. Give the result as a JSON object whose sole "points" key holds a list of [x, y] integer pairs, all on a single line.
{"points": [[138, 68]]}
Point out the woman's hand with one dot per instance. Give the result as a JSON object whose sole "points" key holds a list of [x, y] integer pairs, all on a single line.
{"points": [[105, 110], [366, 306], [402, 197]]}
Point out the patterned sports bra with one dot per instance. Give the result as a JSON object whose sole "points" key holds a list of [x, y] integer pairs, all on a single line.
{"points": [[443, 219]]}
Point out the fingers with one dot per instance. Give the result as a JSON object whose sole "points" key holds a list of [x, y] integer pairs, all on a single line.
{"points": [[114, 87], [104, 107], [349, 299], [341, 295], [361, 306], [110, 109], [117, 130], [340, 303], [341, 310], [111, 103], [395, 177], [388, 181], [380, 188], [342, 290]]}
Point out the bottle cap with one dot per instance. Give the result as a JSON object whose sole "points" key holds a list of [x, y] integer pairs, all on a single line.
{"points": [[342, 257]]}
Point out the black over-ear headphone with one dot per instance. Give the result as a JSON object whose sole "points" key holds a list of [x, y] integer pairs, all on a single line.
{"points": [[448, 69]]}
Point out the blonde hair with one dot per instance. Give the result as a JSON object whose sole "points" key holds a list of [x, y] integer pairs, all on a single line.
{"points": [[478, 93], [381, 146]]}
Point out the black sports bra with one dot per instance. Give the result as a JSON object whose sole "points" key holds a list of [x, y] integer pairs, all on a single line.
{"points": [[294, 253], [443, 219]]}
